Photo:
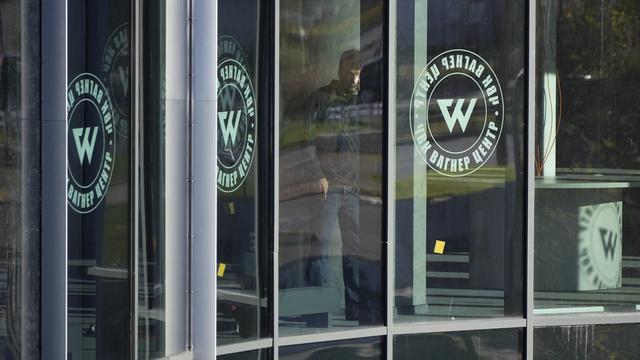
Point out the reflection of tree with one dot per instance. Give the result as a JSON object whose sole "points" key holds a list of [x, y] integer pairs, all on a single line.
{"points": [[467, 345], [599, 37], [362, 349], [598, 62], [587, 342]]}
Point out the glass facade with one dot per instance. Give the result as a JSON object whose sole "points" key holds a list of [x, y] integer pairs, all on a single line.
{"points": [[586, 168], [263, 354], [243, 249], [587, 342], [295, 179], [330, 203], [459, 171], [358, 349], [483, 344], [99, 179]]}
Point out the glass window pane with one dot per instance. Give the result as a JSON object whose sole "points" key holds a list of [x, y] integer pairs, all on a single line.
{"points": [[481, 344], [459, 169], [587, 342], [331, 129], [243, 252], [261, 354], [587, 163], [155, 220], [20, 179], [354, 349], [98, 166]]}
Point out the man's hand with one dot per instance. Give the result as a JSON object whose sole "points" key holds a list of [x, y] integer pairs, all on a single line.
{"points": [[324, 187]]}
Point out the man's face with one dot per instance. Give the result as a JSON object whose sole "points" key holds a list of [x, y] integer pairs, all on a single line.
{"points": [[350, 79]]}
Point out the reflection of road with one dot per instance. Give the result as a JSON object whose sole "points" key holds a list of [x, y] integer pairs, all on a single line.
{"points": [[405, 153]]}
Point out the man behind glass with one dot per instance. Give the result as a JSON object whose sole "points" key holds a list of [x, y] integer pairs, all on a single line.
{"points": [[333, 129]]}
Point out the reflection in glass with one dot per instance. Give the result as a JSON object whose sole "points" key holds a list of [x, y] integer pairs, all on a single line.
{"points": [[19, 180], [481, 344], [459, 160], [153, 219], [98, 193], [261, 354], [587, 164], [587, 342], [354, 349], [330, 164], [243, 263]]}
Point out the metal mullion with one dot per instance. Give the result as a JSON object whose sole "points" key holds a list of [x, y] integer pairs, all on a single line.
{"points": [[530, 175], [54, 223], [332, 336], [203, 132], [136, 52], [391, 168], [591, 319], [244, 346], [276, 178], [455, 326], [177, 175]]}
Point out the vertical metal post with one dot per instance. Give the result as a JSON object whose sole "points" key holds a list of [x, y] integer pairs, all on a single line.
{"points": [[134, 128], [54, 177], [419, 238], [176, 175], [391, 168], [550, 90], [530, 174], [276, 180], [203, 201]]}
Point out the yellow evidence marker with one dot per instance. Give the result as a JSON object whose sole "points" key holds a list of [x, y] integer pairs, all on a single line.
{"points": [[221, 269], [439, 248]]}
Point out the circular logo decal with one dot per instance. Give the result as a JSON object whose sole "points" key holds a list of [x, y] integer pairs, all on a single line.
{"points": [[600, 246], [90, 142], [229, 48], [236, 125], [115, 74], [456, 113]]}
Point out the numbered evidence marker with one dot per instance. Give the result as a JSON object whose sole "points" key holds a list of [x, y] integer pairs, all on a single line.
{"points": [[221, 268], [439, 247], [90, 141]]}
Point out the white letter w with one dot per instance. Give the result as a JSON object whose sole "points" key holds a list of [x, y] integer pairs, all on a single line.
{"points": [[85, 146], [229, 128], [457, 116]]}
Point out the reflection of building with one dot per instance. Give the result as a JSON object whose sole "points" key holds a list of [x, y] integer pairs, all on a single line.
{"points": [[158, 204]]}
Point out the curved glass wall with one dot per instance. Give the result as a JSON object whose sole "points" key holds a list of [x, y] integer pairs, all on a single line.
{"points": [[98, 179], [481, 344], [587, 342], [263, 354], [353, 349], [587, 164], [459, 160], [242, 120], [331, 126], [454, 259]]}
